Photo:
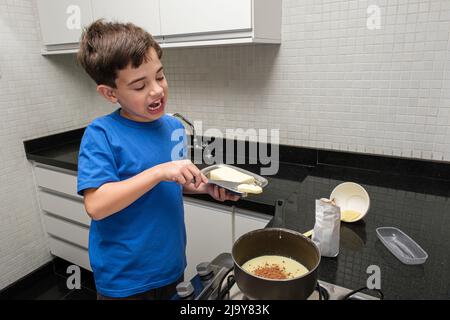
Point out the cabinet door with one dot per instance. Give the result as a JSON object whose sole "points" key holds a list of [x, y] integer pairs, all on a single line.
{"points": [[208, 234], [204, 16], [143, 13], [246, 222], [62, 21]]}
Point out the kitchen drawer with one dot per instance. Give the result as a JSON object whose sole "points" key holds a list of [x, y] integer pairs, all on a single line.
{"points": [[66, 208], [67, 231], [70, 253], [57, 181]]}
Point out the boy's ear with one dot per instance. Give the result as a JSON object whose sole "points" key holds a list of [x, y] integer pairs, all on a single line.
{"points": [[107, 92]]}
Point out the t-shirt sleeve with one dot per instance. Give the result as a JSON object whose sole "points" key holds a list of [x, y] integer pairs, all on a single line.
{"points": [[96, 163]]}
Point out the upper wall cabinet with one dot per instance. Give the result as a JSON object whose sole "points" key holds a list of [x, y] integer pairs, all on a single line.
{"points": [[144, 13], [62, 22], [216, 22], [174, 23], [205, 16]]}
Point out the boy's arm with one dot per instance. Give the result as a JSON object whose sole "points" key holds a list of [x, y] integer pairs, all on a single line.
{"points": [[114, 196]]}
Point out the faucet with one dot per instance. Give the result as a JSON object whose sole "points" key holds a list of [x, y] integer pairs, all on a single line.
{"points": [[196, 145]]}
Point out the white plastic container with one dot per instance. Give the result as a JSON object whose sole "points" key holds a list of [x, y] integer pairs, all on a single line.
{"points": [[401, 246]]}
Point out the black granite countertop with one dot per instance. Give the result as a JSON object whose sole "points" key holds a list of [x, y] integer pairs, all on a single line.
{"points": [[415, 203]]}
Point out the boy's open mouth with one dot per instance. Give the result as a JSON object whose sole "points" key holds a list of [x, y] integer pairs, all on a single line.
{"points": [[155, 106]]}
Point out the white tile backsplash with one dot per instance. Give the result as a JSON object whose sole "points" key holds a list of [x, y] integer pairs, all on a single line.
{"points": [[332, 83]]}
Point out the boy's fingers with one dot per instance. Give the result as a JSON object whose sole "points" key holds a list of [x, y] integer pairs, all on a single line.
{"points": [[180, 179], [216, 192], [230, 196], [196, 173], [198, 179], [223, 195], [196, 182], [204, 178], [187, 176]]}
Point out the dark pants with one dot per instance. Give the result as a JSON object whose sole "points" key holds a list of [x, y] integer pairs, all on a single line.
{"points": [[163, 293]]}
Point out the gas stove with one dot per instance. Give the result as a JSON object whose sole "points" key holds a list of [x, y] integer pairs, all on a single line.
{"points": [[214, 281]]}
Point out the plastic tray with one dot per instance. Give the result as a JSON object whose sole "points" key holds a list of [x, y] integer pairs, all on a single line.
{"points": [[401, 246], [259, 181]]}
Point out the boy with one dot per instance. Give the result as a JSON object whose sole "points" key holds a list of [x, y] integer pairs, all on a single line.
{"points": [[132, 187]]}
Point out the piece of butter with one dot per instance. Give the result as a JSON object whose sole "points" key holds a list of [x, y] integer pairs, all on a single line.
{"points": [[229, 174], [249, 188]]}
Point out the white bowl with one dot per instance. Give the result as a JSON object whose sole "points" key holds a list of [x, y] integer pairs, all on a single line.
{"points": [[351, 196]]}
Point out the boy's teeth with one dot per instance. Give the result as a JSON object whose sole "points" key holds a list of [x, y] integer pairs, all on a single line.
{"points": [[155, 105]]}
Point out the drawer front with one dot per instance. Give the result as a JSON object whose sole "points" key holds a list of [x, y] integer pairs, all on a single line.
{"points": [[57, 181], [70, 232], [70, 253], [64, 207]]}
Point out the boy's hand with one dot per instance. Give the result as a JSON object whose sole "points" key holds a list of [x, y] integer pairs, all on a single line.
{"points": [[220, 194], [183, 172]]}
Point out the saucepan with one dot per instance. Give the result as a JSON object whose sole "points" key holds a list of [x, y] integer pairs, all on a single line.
{"points": [[279, 242]]}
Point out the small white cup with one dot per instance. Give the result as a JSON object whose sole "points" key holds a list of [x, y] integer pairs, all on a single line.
{"points": [[350, 196]]}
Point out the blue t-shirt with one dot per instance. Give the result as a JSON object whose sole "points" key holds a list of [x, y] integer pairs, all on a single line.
{"points": [[142, 246]]}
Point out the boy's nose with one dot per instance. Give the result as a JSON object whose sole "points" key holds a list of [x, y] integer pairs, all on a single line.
{"points": [[156, 92]]}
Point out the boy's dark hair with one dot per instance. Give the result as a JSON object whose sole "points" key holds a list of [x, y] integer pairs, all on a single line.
{"points": [[107, 47]]}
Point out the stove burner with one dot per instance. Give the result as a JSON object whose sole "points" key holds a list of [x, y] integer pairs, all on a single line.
{"points": [[221, 285]]}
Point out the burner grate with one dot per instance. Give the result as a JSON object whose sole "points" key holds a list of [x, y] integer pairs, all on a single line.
{"points": [[222, 285]]}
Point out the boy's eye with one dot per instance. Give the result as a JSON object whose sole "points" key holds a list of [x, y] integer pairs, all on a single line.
{"points": [[160, 78], [138, 89]]}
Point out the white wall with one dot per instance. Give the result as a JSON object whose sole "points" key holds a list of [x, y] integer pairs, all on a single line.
{"points": [[38, 96], [333, 83]]}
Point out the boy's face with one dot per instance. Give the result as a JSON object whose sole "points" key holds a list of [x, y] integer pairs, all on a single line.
{"points": [[141, 92]]}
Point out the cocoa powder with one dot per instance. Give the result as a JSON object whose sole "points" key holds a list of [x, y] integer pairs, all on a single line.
{"points": [[272, 272]]}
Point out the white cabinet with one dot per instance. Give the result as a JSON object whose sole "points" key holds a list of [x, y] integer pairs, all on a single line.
{"points": [[219, 22], [144, 13], [246, 221], [174, 23], [205, 16], [64, 217], [62, 22], [208, 229]]}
